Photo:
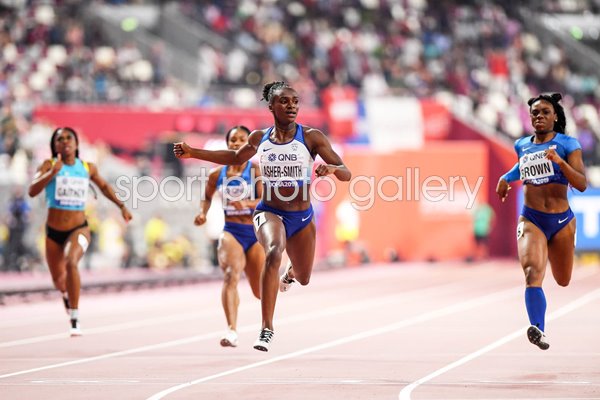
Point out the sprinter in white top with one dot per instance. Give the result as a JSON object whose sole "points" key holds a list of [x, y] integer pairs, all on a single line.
{"points": [[283, 220]]}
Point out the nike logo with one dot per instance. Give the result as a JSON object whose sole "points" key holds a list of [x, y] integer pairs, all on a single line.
{"points": [[267, 149], [304, 219], [560, 221]]}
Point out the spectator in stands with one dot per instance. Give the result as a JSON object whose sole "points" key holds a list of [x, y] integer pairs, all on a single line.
{"points": [[18, 223]]}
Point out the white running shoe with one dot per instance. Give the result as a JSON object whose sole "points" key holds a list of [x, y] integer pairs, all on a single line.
{"points": [[285, 282], [75, 328], [264, 340], [230, 339], [537, 337]]}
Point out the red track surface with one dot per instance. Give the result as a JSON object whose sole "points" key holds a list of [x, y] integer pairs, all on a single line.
{"points": [[435, 331]]}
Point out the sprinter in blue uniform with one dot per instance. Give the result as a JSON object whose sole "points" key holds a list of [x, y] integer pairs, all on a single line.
{"points": [[283, 220], [238, 248], [66, 179], [548, 162]]}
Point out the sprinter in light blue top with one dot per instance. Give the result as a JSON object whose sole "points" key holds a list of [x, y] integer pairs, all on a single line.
{"points": [[284, 219], [238, 250], [68, 190], [65, 179], [548, 162]]}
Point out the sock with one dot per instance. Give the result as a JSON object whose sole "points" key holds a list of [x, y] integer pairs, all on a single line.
{"points": [[74, 313], [535, 302]]}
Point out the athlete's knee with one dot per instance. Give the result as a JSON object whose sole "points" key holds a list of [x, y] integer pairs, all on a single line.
{"points": [[563, 281], [72, 264], [231, 276], [303, 280], [532, 275], [273, 256]]}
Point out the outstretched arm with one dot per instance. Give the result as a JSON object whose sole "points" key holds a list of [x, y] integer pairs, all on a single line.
{"points": [[223, 157], [334, 164], [108, 191]]}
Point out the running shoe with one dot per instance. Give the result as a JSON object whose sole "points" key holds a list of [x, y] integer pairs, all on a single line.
{"points": [[230, 339], [537, 337], [75, 328], [264, 340], [285, 282]]}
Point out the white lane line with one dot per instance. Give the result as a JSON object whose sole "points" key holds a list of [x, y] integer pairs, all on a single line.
{"points": [[104, 329], [442, 289], [466, 305], [580, 302], [327, 312]]}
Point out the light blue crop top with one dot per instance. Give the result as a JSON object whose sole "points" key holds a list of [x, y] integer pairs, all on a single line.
{"points": [[68, 189]]}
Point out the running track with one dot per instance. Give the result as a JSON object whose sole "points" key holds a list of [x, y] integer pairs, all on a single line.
{"points": [[404, 331]]}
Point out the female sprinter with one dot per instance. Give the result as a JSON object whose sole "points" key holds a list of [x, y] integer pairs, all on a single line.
{"points": [[283, 220], [549, 161], [238, 249], [65, 178]]}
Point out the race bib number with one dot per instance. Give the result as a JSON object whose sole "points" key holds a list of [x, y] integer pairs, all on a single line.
{"points": [[71, 190], [259, 219], [535, 167]]}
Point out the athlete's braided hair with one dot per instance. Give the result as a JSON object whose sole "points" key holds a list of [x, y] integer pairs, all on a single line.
{"points": [[270, 88], [553, 98], [241, 127], [57, 132]]}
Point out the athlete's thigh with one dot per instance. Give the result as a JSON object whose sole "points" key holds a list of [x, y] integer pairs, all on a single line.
{"points": [[561, 250], [77, 244], [301, 249], [55, 257], [270, 231], [255, 262], [532, 245], [230, 252]]}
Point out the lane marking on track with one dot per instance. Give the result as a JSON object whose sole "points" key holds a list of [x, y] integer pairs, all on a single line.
{"points": [[105, 329], [442, 289], [572, 306], [424, 317], [327, 312]]}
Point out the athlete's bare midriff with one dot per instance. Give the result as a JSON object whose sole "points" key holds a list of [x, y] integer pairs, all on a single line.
{"points": [[550, 198], [64, 220]]}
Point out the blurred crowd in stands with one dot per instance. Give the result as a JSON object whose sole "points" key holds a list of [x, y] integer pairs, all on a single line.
{"points": [[476, 56]]}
